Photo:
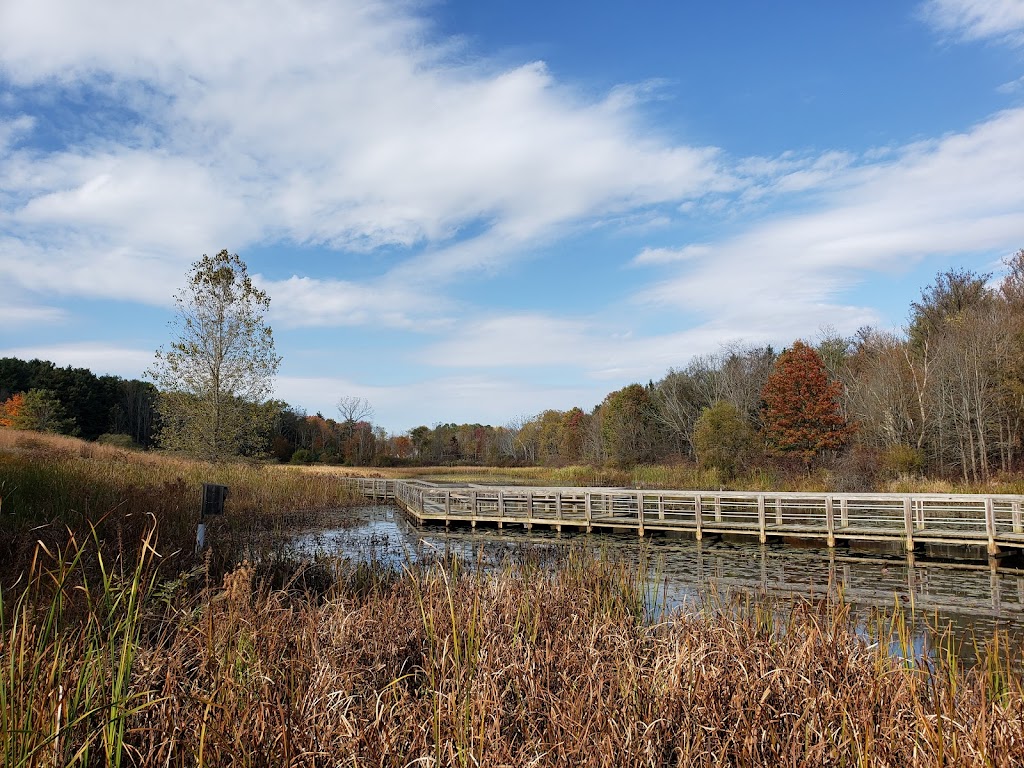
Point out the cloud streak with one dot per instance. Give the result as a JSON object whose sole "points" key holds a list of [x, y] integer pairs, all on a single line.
{"points": [[1001, 20]]}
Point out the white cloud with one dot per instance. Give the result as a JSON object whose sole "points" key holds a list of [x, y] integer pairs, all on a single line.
{"points": [[100, 357], [603, 349], [978, 19], [652, 256], [345, 124], [15, 315], [307, 302], [1012, 86], [959, 194]]}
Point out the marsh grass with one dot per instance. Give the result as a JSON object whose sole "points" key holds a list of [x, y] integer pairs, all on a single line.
{"points": [[535, 664], [51, 486]]}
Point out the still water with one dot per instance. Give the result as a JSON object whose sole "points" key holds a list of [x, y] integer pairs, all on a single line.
{"points": [[967, 598]]}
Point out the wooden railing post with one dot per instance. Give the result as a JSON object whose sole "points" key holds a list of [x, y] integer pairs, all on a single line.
{"points": [[830, 522], [844, 513], [588, 509], [640, 512], [760, 517], [698, 514], [778, 510], [1018, 524], [990, 525]]}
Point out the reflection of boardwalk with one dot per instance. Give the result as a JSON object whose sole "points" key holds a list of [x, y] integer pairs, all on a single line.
{"points": [[976, 590], [991, 521]]}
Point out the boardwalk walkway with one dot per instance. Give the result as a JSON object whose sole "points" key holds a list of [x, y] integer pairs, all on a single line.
{"points": [[991, 521]]}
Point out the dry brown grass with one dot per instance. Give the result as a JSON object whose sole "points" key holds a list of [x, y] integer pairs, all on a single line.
{"points": [[530, 666], [52, 485]]}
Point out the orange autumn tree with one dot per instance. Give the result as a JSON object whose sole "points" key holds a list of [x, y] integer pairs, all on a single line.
{"points": [[801, 411], [10, 409]]}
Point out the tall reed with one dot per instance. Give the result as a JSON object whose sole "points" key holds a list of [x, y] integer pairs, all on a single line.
{"points": [[68, 651]]}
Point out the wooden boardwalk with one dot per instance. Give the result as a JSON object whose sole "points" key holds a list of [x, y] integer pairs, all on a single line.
{"points": [[992, 521]]}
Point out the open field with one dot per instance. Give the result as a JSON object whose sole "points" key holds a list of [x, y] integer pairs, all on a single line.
{"points": [[654, 477], [119, 647]]}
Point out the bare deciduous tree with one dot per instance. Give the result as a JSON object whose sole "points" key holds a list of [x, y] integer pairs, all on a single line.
{"points": [[354, 409]]}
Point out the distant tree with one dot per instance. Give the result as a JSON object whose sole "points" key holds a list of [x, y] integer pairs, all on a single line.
{"points": [[953, 293], [10, 410], [802, 414], [402, 447], [38, 410], [354, 409], [629, 426], [573, 435], [722, 438], [134, 411], [420, 439], [217, 374]]}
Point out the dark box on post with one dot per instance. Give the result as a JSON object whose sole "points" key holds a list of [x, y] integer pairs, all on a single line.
{"points": [[213, 499]]}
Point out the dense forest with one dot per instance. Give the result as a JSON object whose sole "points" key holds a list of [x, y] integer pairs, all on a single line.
{"points": [[943, 398]]}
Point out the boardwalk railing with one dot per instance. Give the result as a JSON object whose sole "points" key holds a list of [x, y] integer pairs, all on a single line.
{"points": [[993, 521]]}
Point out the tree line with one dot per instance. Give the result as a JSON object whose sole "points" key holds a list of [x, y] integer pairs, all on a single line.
{"points": [[945, 397], [38, 395]]}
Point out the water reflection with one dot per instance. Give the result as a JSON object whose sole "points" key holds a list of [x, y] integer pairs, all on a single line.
{"points": [[970, 600]]}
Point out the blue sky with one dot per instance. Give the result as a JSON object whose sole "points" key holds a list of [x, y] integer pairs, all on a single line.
{"points": [[468, 211]]}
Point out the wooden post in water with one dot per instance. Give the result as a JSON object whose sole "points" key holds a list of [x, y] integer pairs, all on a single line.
{"points": [[640, 513], [760, 518], [830, 522], [990, 526], [908, 524]]}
